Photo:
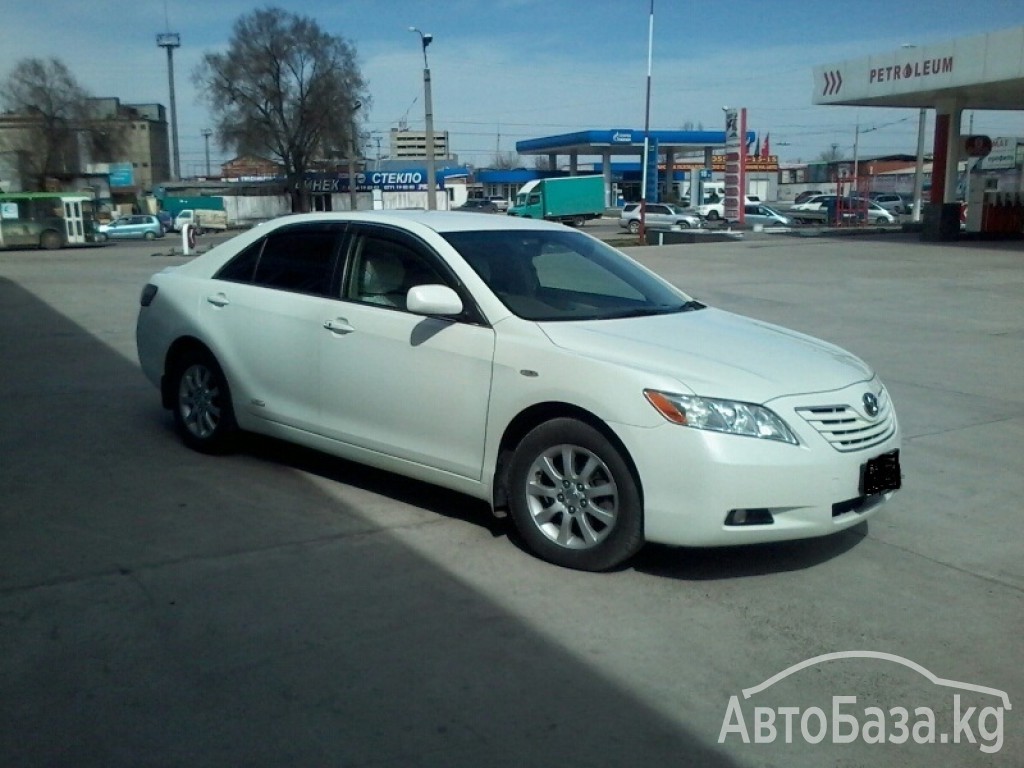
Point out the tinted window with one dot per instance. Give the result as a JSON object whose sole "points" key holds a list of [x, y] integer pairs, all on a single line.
{"points": [[242, 268], [298, 259]]}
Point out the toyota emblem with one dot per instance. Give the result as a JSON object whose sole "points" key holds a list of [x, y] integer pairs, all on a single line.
{"points": [[870, 405]]}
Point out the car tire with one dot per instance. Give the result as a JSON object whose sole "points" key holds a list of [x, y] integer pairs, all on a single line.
{"points": [[683, 224], [578, 221], [573, 497], [634, 227], [203, 414], [713, 216], [50, 240], [150, 236]]}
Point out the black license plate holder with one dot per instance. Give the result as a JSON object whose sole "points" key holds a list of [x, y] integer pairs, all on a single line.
{"points": [[881, 474]]}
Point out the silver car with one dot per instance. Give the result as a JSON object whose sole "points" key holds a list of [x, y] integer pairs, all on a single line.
{"points": [[759, 213], [658, 216]]}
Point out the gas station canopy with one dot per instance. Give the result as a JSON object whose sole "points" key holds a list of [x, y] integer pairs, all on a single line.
{"points": [[978, 72]]}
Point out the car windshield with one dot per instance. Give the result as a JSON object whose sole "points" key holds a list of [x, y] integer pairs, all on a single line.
{"points": [[546, 275]]}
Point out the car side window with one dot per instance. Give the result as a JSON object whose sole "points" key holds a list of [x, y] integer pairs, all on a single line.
{"points": [[298, 259], [382, 269], [301, 259]]}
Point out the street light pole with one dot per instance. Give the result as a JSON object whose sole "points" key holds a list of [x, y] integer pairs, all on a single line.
{"points": [[170, 41], [425, 40]]}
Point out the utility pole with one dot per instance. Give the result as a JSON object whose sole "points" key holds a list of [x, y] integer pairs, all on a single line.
{"points": [[170, 41], [206, 132]]}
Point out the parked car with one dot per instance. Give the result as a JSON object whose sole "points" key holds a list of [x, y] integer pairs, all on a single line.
{"points": [[501, 202], [596, 402], [658, 215], [869, 210], [812, 203], [806, 195], [764, 215], [138, 226], [478, 205], [893, 202], [715, 210]]}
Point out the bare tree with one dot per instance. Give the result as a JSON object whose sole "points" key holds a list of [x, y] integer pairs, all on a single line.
{"points": [[284, 89], [50, 106], [831, 155], [506, 160], [543, 163]]}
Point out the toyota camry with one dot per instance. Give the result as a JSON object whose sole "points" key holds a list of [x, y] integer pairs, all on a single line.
{"points": [[526, 364]]}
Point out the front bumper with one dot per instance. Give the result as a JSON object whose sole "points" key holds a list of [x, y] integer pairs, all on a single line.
{"points": [[692, 479]]}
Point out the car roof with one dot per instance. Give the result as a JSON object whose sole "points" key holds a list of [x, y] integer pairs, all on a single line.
{"points": [[438, 221]]}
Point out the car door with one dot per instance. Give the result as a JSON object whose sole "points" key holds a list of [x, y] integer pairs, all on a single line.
{"points": [[264, 312], [412, 387], [658, 215], [119, 228]]}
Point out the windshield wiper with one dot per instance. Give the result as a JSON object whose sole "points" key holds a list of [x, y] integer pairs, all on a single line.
{"points": [[688, 306]]}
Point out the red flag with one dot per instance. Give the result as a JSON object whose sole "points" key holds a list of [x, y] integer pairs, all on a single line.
{"points": [[766, 149]]}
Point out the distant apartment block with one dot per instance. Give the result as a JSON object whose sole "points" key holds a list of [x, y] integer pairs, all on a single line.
{"points": [[407, 144]]}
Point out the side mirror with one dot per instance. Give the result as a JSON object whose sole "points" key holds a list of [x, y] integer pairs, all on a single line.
{"points": [[433, 300]]}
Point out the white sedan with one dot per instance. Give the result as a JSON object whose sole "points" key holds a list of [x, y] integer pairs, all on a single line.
{"points": [[526, 364]]}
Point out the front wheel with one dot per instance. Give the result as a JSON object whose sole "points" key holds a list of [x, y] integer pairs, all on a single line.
{"points": [[150, 235], [683, 224], [713, 216], [634, 227], [203, 415], [573, 498]]}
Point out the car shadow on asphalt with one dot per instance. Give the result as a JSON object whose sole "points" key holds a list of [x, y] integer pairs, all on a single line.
{"points": [[716, 563], [682, 563], [441, 501]]}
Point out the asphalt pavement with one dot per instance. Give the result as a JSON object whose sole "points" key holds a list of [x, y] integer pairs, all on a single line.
{"points": [[277, 607]]}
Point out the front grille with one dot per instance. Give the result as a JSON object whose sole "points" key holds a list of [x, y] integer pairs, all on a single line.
{"points": [[848, 428]]}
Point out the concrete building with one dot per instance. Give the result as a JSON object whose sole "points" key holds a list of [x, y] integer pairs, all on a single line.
{"points": [[411, 145], [128, 142]]}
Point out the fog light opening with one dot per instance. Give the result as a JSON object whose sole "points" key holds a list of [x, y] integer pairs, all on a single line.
{"points": [[749, 517]]}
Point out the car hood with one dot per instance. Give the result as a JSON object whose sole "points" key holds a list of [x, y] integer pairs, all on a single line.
{"points": [[715, 353]]}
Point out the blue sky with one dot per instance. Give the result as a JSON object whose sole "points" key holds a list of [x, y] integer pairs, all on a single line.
{"points": [[506, 70]]}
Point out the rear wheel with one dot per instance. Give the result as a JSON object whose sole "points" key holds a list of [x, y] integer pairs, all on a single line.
{"points": [[713, 216], [573, 498], [578, 221], [634, 226], [203, 414], [50, 240]]}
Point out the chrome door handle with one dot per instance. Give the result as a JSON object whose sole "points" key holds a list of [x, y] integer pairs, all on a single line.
{"points": [[340, 325], [218, 300]]}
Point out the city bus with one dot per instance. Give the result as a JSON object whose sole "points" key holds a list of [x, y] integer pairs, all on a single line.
{"points": [[46, 220]]}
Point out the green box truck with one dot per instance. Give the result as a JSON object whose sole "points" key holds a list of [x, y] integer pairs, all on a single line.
{"points": [[570, 200]]}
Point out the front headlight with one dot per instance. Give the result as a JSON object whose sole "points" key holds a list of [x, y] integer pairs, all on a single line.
{"points": [[729, 416]]}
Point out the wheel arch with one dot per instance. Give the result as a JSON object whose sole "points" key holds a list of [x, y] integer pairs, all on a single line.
{"points": [[533, 417], [181, 346]]}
